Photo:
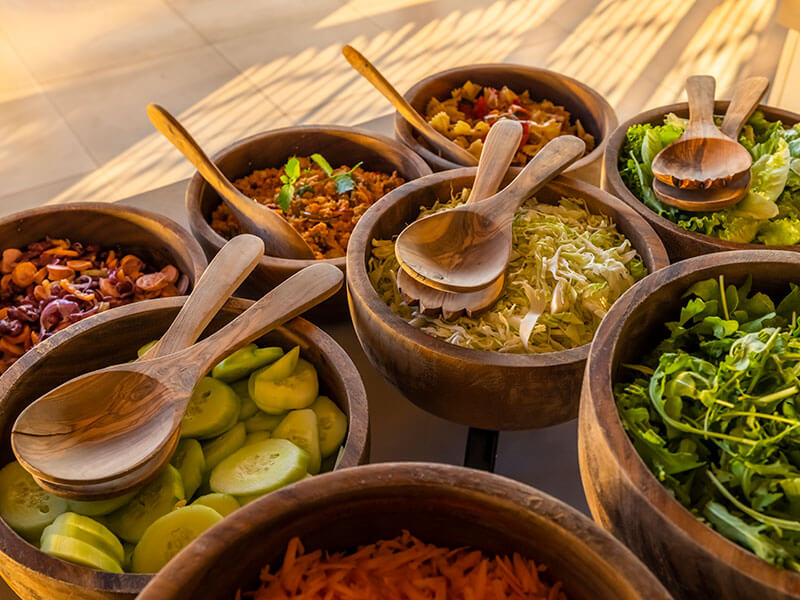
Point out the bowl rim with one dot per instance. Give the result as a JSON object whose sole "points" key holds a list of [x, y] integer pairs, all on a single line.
{"points": [[360, 288], [631, 465], [197, 185], [190, 245], [21, 552], [486, 488], [618, 188], [607, 115]]}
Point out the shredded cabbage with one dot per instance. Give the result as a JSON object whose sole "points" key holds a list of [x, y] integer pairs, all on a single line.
{"points": [[567, 267]]}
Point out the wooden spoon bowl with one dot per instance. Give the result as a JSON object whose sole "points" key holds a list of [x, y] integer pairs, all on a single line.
{"points": [[690, 558], [340, 145], [441, 504], [114, 337], [489, 390]]}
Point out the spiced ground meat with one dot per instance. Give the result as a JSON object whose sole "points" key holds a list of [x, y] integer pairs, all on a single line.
{"points": [[323, 217]]}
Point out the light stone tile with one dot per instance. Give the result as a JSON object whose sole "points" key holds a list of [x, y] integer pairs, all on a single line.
{"points": [[15, 79]]}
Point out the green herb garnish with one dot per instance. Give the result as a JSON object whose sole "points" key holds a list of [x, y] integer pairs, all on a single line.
{"points": [[292, 174], [344, 181]]}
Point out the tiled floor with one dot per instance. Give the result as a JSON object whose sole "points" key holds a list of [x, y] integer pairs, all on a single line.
{"points": [[75, 76]]}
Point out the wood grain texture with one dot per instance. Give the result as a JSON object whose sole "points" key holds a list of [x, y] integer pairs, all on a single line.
{"points": [[443, 144], [108, 339], [489, 390], [467, 248], [746, 97], [679, 242], [702, 157], [279, 237], [64, 438], [582, 102], [690, 558], [442, 504], [271, 149]]}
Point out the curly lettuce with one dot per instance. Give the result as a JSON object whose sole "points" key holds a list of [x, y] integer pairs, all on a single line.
{"points": [[769, 214]]}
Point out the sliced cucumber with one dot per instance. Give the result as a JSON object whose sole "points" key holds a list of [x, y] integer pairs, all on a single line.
{"points": [[249, 407], [300, 428], [244, 361], [332, 424], [212, 410], [79, 552], [169, 534], [224, 504], [98, 508], [87, 530], [223, 446], [260, 468], [261, 421], [26, 507], [255, 437], [191, 464], [275, 393], [154, 500]]}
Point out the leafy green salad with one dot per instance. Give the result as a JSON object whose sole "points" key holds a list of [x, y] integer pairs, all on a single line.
{"points": [[769, 214], [713, 412]]}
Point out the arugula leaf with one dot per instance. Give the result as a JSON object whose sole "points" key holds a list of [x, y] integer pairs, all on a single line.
{"points": [[324, 165]]}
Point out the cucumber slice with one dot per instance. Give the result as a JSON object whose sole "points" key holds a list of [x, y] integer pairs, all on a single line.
{"points": [[261, 421], [244, 361], [224, 504], [98, 508], [223, 446], [332, 424], [191, 464], [126, 564], [79, 552], [255, 437], [249, 407], [26, 507], [300, 428], [87, 530], [141, 351], [260, 468], [168, 535], [213, 409], [154, 500], [274, 393]]}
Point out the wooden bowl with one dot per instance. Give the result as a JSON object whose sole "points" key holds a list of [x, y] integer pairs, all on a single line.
{"points": [[482, 389], [340, 145], [690, 558], [442, 504], [594, 112], [113, 337], [679, 242]]}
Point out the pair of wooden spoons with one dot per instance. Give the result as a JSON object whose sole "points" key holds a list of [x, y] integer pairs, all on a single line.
{"points": [[106, 433], [707, 169]]}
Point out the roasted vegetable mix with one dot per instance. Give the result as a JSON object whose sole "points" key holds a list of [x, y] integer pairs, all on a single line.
{"points": [[713, 412], [769, 214]]}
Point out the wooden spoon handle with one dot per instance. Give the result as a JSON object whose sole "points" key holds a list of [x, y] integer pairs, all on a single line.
{"points": [[499, 150], [226, 272], [745, 100], [700, 92], [371, 74], [291, 298]]}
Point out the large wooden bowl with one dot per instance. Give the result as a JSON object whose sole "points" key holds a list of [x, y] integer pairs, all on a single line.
{"points": [[482, 389], [340, 145], [441, 504], [584, 103], [107, 339], [690, 558], [680, 243]]}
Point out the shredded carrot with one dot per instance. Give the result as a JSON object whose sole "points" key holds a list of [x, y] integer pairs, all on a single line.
{"points": [[403, 568]]}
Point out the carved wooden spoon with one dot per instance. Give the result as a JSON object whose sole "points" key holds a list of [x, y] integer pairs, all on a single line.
{"points": [[703, 157], [62, 438], [448, 148], [499, 149], [467, 248], [279, 237]]}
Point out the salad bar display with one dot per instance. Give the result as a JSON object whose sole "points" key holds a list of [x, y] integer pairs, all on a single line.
{"points": [[140, 462]]}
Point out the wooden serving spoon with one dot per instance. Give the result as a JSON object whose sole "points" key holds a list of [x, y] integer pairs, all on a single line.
{"points": [[703, 157], [745, 100], [279, 237], [468, 247], [62, 438], [499, 150], [448, 148]]}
